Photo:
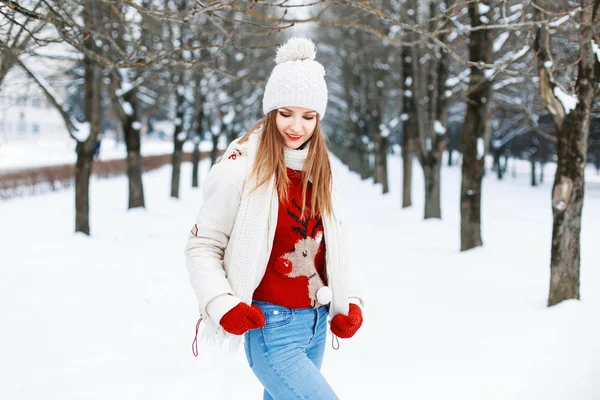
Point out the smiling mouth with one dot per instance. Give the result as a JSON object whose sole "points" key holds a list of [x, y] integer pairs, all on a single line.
{"points": [[293, 137]]}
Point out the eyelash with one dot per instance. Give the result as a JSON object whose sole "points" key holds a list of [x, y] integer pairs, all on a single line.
{"points": [[289, 115]]}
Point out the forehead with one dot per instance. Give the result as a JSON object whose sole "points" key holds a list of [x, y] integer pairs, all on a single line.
{"points": [[298, 110]]}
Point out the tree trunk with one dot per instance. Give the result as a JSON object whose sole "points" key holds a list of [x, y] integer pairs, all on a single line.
{"points": [[176, 161], [572, 134], [450, 151], [83, 170], [432, 175], [498, 164], [567, 202], [409, 128], [134, 165], [214, 152], [533, 162], [6, 63], [382, 164], [196, 163], [93, 114], [178, 142], [475, 136]]}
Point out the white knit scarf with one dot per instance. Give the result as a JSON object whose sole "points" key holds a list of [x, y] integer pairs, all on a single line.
{"points": [[249, 232]]}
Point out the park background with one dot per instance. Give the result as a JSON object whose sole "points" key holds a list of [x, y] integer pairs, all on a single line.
{"points": [[466, 138]]}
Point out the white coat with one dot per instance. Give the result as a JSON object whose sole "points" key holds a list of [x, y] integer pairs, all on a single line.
{"points": [[229, 246]]}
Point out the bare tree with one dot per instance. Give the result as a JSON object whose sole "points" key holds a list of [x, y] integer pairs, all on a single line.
{"points": [[475, 134], [571, 115], [92, 16]]}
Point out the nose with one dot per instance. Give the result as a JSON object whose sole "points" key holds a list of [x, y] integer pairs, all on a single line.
{"points": [[296, 124]]}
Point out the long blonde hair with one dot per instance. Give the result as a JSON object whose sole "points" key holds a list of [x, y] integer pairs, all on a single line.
{"points": [[270, 160]]}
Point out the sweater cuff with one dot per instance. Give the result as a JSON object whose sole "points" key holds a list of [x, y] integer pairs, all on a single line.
{"points": [[220, 305], [358, 301]]}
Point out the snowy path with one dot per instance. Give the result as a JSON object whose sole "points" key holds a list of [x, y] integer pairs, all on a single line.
{"points": [[112, 316]]}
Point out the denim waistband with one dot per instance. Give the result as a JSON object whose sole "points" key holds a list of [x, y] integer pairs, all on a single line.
{"points": [[266, 306]]}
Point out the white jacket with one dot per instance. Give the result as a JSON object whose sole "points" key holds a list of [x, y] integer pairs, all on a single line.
{"points": [[229, 247]]}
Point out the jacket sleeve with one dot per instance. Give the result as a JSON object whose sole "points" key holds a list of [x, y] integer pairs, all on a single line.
{"points": [[209, 237], [354, 295]]}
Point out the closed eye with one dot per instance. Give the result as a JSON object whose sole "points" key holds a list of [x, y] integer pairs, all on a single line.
{"points": [[308, 118]]}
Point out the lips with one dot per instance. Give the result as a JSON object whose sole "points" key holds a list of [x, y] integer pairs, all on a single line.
{"points": [[293, 137]]}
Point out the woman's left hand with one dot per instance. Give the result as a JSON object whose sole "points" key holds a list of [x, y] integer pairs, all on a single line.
{"points": [[345, 326]]}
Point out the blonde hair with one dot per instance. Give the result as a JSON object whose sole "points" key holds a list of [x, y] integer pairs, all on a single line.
{"points": [[270, 160]]}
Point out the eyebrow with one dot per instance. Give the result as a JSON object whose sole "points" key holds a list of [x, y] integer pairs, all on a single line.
{"points": [[305, 112]]}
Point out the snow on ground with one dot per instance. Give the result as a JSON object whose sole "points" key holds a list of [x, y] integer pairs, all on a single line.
{"points": [[21, 154], [112, 316]]}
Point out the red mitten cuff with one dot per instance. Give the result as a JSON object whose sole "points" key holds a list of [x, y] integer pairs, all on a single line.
{"points": [[242, 318], [345, 326]]}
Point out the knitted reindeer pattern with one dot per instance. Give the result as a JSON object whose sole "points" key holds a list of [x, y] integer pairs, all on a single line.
{"points": [[300, 261], [296, 268]]}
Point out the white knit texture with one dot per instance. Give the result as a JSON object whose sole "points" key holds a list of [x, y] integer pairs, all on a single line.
{"points": [[249, 234], [297, 80]]}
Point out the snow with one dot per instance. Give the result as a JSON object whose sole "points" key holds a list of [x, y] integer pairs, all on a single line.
{"points": [[137, 125], [548, 64], [127, 107], [513, 18], [46, 152], [384, 131], [569, 102], [83, 131], [439, 128], [408, 93], [455, 80], [596, 50], [66, 55], [408, 81], [480, 148], [500, 40], [519, 54], [404, 117], [508, 81], [559, 21], [428, 143], [113, 316], [483, 8]]}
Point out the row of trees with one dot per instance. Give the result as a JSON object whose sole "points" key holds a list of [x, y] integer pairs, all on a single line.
{"points": [[400, 72]]}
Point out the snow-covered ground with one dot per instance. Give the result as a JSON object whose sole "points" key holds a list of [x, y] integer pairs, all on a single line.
{"points": [[21, 154], [112, 316]]}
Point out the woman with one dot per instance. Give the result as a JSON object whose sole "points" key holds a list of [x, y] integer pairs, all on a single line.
{"points": [[267, 256]]}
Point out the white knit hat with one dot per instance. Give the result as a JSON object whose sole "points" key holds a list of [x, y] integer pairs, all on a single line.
{"points": [[297, 80]]}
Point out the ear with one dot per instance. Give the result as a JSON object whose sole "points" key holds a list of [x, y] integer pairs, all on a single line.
{"points": [[319, 237]]}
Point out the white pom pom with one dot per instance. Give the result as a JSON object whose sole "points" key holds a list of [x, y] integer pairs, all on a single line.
{"points": [[324, 295], [296, 49]]}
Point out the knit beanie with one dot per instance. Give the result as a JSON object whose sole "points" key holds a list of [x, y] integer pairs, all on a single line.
{"points": [[297, 80]]}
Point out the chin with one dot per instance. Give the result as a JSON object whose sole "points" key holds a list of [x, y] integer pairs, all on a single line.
{"points": [[293, 145]]}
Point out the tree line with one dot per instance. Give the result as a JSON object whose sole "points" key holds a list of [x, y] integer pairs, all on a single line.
{"points": [[437, 76]]}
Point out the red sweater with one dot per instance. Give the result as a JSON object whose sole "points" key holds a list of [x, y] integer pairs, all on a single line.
{"points": [[298, 252]]}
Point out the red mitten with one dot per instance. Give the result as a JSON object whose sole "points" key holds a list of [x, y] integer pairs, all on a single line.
{"points": [[242, 318], [345, 326]]}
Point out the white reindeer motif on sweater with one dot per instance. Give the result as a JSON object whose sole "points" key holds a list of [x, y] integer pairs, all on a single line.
{"points": [[302, 257]]}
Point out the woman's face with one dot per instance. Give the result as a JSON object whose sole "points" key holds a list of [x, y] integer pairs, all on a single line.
{"points": [[295, 125]]}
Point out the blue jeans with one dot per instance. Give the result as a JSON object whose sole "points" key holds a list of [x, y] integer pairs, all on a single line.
{"points": [[286, 354]]}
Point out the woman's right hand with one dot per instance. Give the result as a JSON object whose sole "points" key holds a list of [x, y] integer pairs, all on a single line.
{"points": [[242, 318]]}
